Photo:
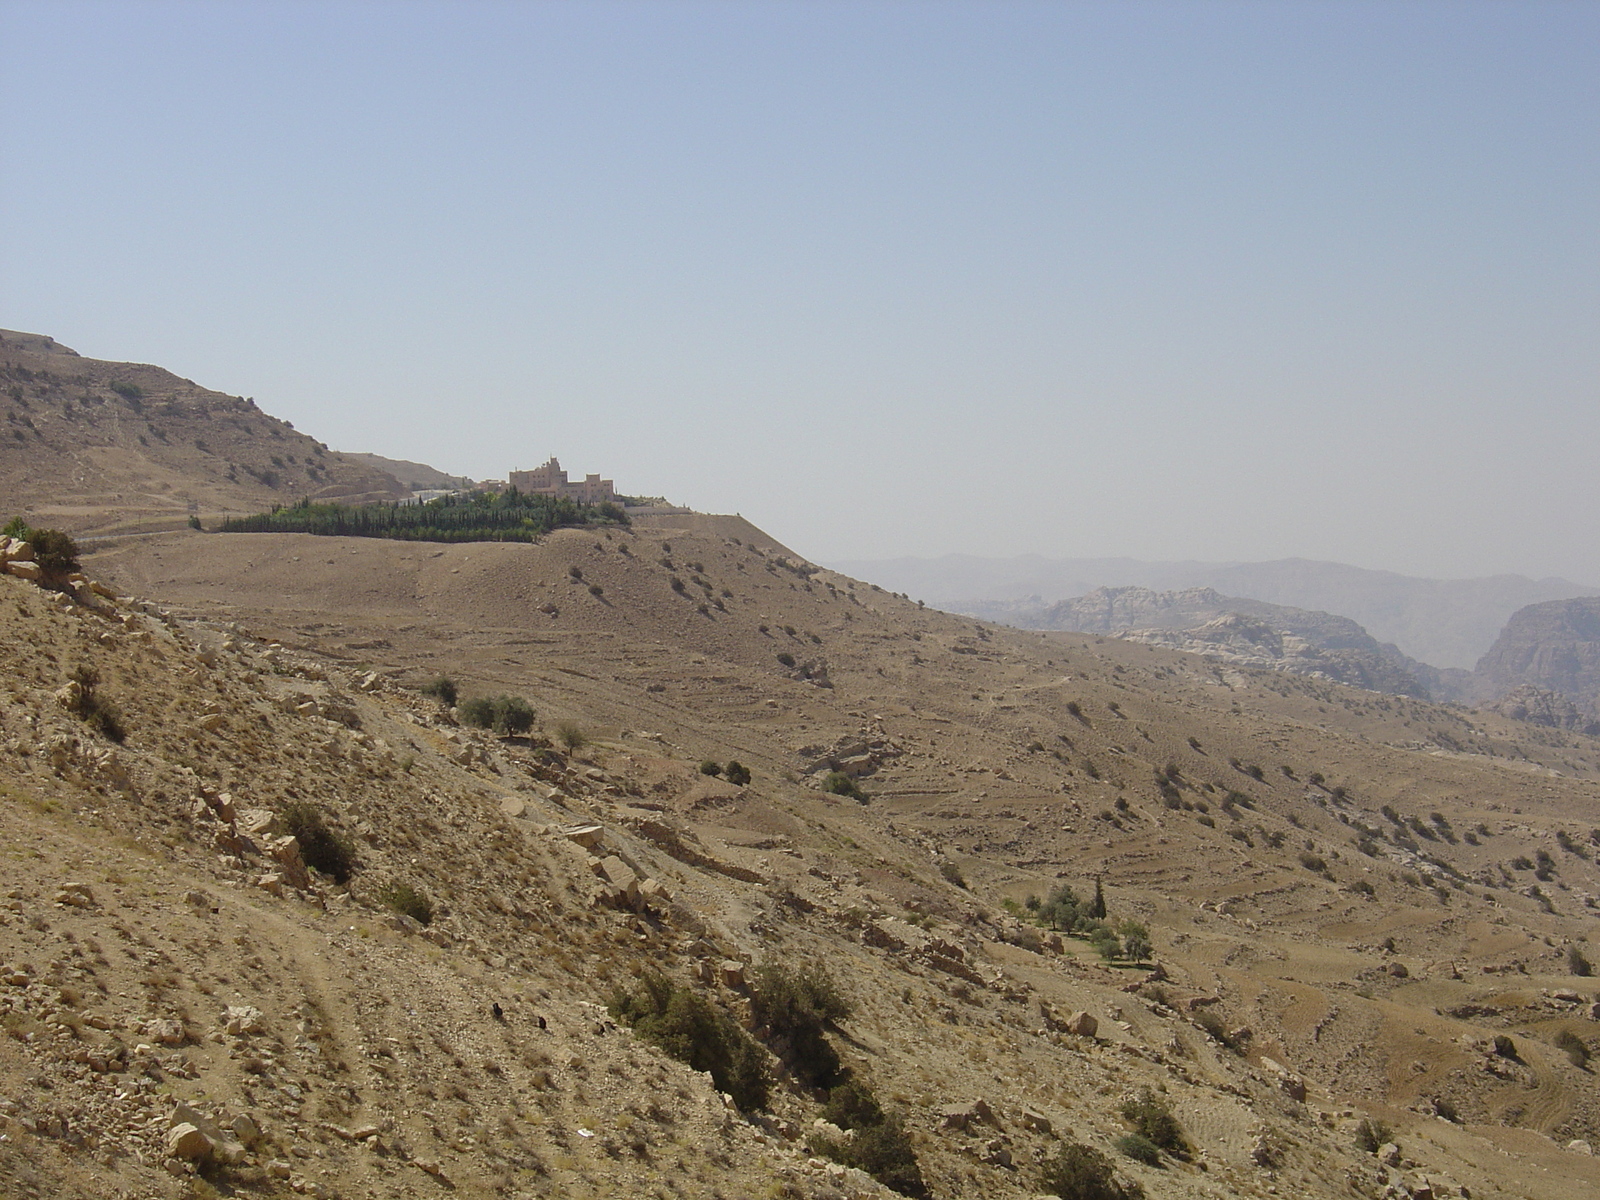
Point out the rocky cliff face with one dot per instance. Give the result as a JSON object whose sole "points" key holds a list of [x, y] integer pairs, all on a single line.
{"points": [[1554, 646]]}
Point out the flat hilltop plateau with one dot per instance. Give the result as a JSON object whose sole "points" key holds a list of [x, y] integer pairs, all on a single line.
{"points": [[1360, 907]]}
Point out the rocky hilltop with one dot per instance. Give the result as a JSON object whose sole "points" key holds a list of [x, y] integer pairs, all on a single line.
{"points": [[1554, 646], [99, 447]]}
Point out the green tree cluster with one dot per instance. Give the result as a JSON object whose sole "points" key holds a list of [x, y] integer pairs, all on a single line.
{"points": [[507, 516]]}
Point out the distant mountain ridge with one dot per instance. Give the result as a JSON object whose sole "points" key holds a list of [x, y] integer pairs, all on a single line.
{"points": [[1442, 622]]}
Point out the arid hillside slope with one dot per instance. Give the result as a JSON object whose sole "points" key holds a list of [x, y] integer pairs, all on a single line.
{"points": [[102, 447], [1365, 890]]}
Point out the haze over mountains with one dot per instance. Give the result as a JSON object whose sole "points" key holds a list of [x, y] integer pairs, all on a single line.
{"points": [[1442, 622]]}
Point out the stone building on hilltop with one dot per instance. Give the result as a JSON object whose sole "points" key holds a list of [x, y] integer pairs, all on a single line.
{"points": [[551, 480]]}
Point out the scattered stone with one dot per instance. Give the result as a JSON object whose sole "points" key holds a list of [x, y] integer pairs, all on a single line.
{"points": [[186, 1142], [76, 894], [1081, 1024], [731, 974]]}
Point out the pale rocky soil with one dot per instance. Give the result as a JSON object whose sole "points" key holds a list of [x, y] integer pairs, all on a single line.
{"points": [[376, 1066]]}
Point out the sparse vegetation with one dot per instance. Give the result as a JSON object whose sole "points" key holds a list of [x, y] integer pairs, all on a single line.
{"points": [[688, 1026], [1079, 1172], [837, 783], [322, 848], [571, 736], [407, 900], [711, 767], [443, 689], [506, 715], [797, 1006], [879, 1146], [737, 773], [86, 703], [1372, 1133]]}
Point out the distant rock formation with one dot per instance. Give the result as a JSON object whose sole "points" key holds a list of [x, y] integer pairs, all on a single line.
{"points": [[1540, 706], [1553, 646], [1248, 633]]}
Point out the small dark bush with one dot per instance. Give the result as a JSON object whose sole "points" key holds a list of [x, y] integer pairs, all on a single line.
{"points": [[571, 735], [837, 783], [1504, 1046], [737, 773], [54, 551], [796, 1007], [1577, 963], [786, 659], [506, 715], [1371, 1134], [1139, 1148], [852, 1105], [710, 766], [952, 874], [94, 709], [1151, 1118], [883, 1150], [596, 590], [694, 1031], [1080, 1172], [575, 572], [442, 689], [1444, 1107], [325, 849], [408, 901], [1313, 862]]}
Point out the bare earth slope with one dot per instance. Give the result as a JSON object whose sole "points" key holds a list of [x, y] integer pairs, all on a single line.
{"points": [[1337, 875], [101, 447]]}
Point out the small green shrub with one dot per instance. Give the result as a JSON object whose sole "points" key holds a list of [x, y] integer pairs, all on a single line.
{"points": [[1139, 1148], [1151, 1118], [837, 783], [737, 773], [1370, 1134], [596, 590], [786, 659], [403, 898], [952, 874], [570, 734], [443, 689], [194, 522], [710, 766], [884, 1151], [796, 1006], [851, 1105], [323, 848], [689, 1027], [1080, 1172], [54, 551], [1577, 963], [506, 715]]}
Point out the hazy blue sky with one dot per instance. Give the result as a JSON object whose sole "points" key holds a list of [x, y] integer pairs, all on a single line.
{"points": [[1172, 280]]}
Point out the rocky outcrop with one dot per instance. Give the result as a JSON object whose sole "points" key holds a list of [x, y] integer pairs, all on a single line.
{"points": [[1554, 647], [1540, 706]]}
